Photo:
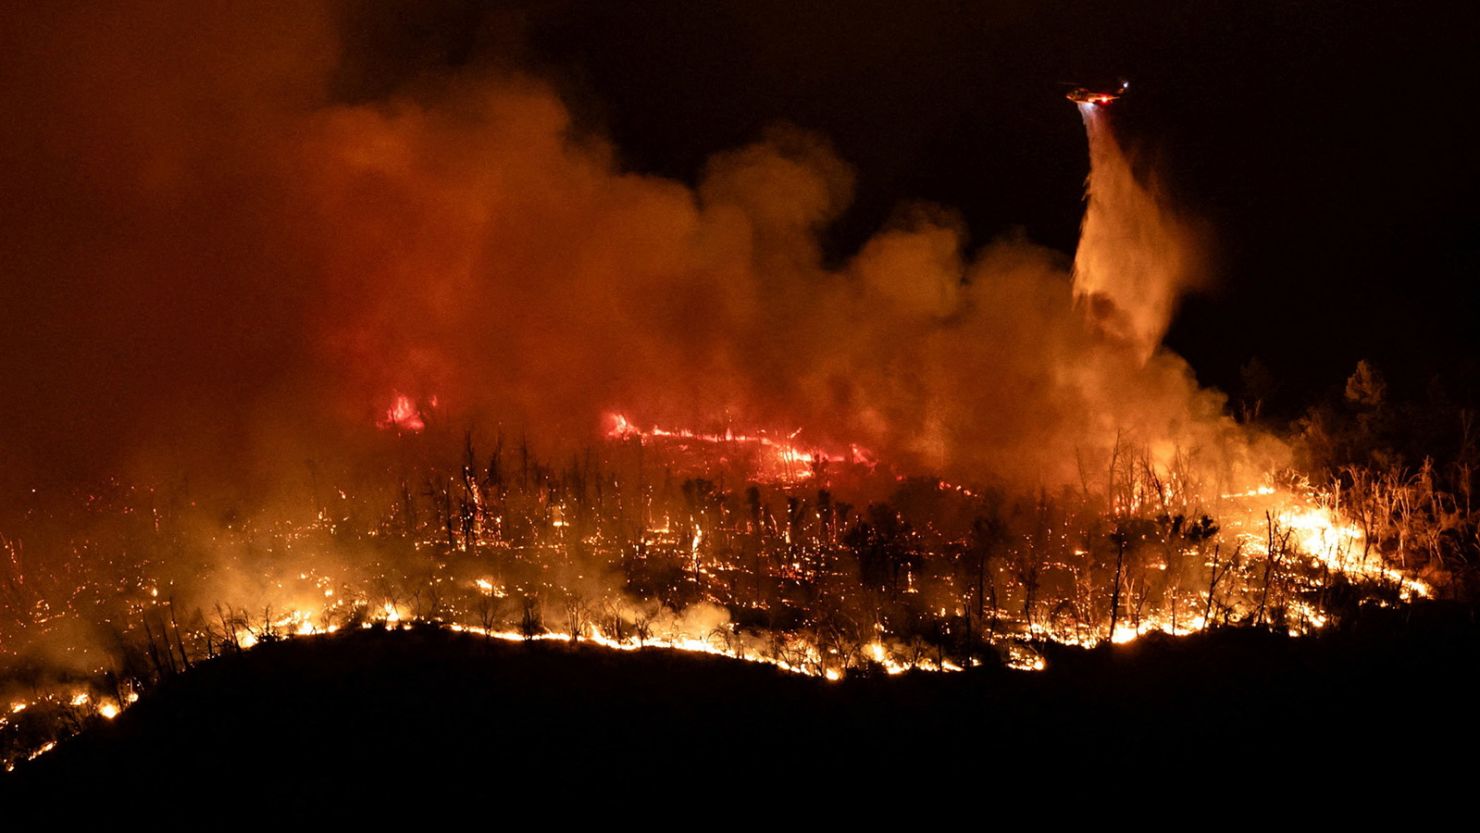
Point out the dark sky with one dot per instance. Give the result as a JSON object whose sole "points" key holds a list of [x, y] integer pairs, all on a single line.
{"points": [[1330, 144]]}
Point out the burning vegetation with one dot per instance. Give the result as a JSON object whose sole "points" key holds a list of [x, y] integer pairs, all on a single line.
{"points": [[995, 453], [820, 563]]}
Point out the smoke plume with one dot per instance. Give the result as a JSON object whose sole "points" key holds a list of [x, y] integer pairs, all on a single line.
{"points": [[216, 269]]}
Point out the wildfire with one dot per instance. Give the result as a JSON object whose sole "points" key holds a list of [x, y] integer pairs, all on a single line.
{"points": [[791, 563], [1300, 521], [781, 458], [402, 415], [1296, 531]]}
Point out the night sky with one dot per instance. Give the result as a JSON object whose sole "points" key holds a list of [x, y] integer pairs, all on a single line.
{"points": [[1329, 144]]}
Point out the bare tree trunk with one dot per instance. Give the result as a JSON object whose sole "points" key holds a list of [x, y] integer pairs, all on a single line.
{"points": [[1274, 552], [1212, 586], [179, 643], [1120, 541]]}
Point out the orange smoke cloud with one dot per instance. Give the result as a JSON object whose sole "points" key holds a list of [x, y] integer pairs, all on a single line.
{"points": [[222, 262]]}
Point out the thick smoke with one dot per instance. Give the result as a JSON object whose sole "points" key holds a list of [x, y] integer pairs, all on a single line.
{"points": [[217, 270], [220, 274]]}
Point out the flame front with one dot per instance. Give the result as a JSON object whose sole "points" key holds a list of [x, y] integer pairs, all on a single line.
{"points": [[697, 569], [781, 457]]}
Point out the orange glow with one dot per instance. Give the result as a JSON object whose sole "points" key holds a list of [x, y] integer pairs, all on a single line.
{"points": [[402, 415], [781, 458]]}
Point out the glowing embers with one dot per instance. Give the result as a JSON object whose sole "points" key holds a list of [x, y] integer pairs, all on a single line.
{"points": [[776, 457], [403, 416], [31, 728]]}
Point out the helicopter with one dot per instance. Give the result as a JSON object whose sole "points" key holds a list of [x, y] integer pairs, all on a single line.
{"points": [[1098, 96]]}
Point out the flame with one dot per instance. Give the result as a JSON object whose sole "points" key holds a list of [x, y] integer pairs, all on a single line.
{"points": [[1312, 540], [1316, 531], [781, 458], [402, 415]]}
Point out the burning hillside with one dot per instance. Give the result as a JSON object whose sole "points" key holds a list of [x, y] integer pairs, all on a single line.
{"points": [[440, 360]]}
